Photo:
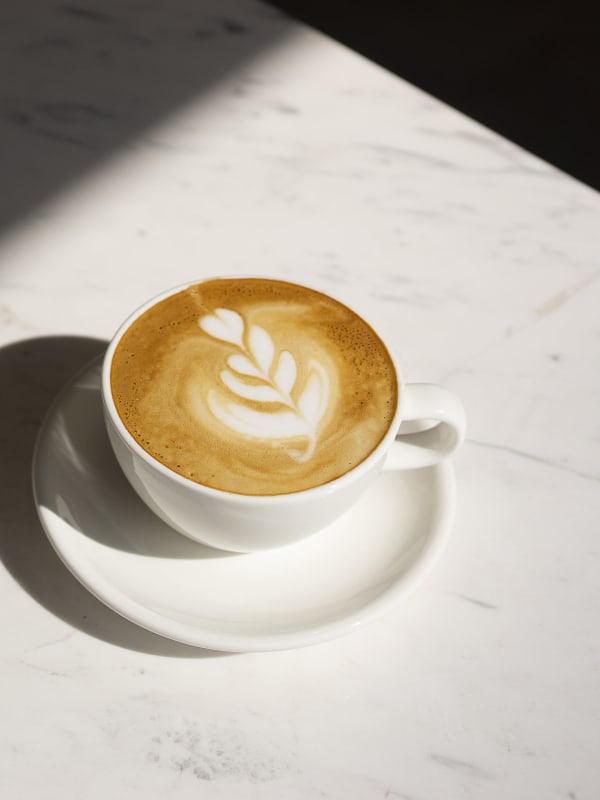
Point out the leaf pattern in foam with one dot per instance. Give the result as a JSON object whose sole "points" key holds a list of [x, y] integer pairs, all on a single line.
{"points": [[224, 324], [313, 400], [261, 346], [286, 372], [260, 393], [254, 362], [243, 366], [278, 425]]}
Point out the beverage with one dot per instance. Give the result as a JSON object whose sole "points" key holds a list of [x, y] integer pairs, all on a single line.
{"points": [[254, 386], [234, 404]]}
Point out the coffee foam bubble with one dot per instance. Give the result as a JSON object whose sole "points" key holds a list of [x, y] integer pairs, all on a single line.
{"points": [[254, 386]]}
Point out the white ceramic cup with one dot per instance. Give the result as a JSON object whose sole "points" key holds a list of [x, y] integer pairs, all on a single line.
{"points": [[428, 425]]}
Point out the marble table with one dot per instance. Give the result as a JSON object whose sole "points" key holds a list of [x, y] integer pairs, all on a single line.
{"points": [[144, 148]]}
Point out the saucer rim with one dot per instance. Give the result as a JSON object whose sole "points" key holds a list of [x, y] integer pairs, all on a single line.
{"points": [[91, 577]]}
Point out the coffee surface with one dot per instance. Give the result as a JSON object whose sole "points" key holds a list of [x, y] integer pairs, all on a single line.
{"points": [[254, 386]]}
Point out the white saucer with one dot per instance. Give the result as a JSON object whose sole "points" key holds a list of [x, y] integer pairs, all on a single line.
{"points": [[325, 586]]}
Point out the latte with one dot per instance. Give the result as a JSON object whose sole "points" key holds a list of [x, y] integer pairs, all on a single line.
{"points": [[254, 386]]}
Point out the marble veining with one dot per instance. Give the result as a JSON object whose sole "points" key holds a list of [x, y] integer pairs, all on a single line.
{"points": [[150, 146]]}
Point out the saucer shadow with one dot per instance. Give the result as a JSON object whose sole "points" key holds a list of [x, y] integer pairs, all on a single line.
{"points": [[77, 461], [32, 372]]}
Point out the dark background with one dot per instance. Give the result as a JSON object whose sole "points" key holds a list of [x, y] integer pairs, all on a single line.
{"points": [[528, 70], [81, 79]]}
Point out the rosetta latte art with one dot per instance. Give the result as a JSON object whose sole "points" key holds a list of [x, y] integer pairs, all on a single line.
{"points": [[254, 385], [256, 375]]}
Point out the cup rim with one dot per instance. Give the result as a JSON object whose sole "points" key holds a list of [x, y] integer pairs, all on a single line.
{"points": [[201, 489]]}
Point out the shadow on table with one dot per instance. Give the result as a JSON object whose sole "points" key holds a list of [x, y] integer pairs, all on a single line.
{"points": [[32, 372], [83, 78]]}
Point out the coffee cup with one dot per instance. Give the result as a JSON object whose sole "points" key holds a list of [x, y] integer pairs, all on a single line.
{"points": [[249, 413]]}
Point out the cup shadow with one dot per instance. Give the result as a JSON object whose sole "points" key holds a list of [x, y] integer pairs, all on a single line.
{"points": [[77, 454], [32, 372]]}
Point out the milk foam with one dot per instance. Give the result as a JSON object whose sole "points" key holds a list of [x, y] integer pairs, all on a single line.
{"points": [[304, 406], [254, 386]]}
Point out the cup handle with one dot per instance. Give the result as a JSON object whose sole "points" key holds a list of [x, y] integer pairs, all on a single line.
{"points": [[432, 428]]}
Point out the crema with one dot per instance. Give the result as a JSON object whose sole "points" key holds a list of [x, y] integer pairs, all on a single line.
{"points": [[254, 386]]}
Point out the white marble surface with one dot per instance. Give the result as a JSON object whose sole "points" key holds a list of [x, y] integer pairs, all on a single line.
{"points": [[148, 147]]}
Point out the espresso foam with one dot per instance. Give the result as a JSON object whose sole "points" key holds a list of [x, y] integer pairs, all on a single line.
{"points": [[254, 386]]}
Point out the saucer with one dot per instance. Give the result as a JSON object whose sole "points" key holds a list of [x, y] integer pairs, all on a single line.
{"points": [[326, 585]]}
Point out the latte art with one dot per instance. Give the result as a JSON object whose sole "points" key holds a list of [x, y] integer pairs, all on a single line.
{"points": [[257, 374], [254, 386]]}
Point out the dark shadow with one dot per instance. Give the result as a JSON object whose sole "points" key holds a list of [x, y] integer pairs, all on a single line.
{"points": [[528, 70], [32, 372], [80, 79], [82, 482]]}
